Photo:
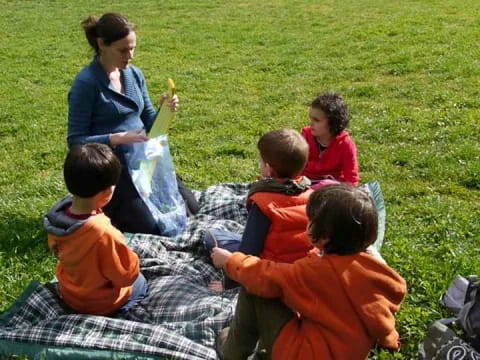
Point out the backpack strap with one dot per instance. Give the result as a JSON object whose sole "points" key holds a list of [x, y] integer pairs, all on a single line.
{"points": [[469, 315]]}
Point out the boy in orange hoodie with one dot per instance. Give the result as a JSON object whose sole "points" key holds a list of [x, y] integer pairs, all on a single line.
{"points": [[336, 303], [97, 272]]}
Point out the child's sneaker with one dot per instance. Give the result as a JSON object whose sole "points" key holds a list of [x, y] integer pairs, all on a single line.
{"points": [[223, 239]]}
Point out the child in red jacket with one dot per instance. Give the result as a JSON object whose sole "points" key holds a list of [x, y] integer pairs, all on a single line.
{"points": [[336, 303], [332, 153]]}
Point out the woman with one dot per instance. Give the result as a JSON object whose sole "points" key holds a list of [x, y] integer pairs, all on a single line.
{"points": [[109, 104]]}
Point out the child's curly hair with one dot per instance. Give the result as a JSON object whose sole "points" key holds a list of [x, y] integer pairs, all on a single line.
{"points": [[335, 109]]}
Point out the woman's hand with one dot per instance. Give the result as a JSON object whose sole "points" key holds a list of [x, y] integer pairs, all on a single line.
{"points": [[128, 137], [219, 257], [172, 102]]}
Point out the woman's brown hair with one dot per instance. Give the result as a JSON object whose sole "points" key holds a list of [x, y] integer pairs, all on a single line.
{"points": [[110, 28]]}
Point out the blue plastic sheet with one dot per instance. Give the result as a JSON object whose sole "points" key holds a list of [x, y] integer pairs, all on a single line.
{"points": [[151, 167]]}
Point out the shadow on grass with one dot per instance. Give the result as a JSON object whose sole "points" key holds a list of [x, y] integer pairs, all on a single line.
{"points": [[21, 234], [471, 183]]}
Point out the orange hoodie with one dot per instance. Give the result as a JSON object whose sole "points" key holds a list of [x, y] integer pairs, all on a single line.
{"points": [[345, 304], [96, 268]]}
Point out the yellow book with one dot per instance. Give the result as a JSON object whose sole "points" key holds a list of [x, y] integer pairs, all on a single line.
{"points": [[164, 115]]}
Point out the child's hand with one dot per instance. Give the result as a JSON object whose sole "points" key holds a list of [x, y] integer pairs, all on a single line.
{"points": [[219, 257]]}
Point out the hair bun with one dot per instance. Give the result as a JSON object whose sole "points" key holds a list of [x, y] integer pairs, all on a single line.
{"points": [[89, 25], [110, 28]]}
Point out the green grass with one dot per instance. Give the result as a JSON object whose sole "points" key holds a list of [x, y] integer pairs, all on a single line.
{"points": [[409, 71]]}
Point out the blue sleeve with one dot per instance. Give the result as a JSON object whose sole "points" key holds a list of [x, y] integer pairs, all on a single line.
{"points": [[256, 231], [81, 101], [149, 113]]}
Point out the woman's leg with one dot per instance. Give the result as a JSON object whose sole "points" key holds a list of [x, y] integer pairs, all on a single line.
{"points": [[191, 202], [127, 211]]}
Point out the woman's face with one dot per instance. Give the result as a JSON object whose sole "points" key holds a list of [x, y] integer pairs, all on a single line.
{"points": [[119, 53]]}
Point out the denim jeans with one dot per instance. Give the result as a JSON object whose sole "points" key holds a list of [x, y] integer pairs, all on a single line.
{"points": [[140, 287], [223, 239]]}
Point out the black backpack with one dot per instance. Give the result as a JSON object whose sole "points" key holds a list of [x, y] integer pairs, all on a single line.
{"points": [[443, 341], [469, 315]]}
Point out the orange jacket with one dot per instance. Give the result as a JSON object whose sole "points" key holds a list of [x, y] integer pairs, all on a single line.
{"points": [[96, 268], [286, 240], [345, 304]]}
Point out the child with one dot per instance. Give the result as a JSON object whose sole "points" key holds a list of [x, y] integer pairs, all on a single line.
{"points": [[97, 272], [332, 153], [336, 303], [275, 227]]}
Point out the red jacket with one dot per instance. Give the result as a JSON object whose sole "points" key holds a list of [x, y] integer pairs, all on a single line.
{"points": [[338, 160], [345, 304], [286, 240]]}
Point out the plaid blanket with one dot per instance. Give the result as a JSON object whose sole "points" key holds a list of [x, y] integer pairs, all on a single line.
{"points": [[180, 317]]}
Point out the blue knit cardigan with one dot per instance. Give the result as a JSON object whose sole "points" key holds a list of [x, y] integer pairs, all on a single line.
{"points": [[96, 110]]}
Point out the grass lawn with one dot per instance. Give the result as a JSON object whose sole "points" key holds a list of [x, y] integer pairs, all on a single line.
{"points": [[408, 69]]}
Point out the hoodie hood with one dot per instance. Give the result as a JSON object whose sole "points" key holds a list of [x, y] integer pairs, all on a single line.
{"points": [[58, 223], [71, 239], [375, 291]]}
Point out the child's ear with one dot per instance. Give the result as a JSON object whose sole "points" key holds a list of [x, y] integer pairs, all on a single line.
{"points": [[323, 242], [107, 191], [320, 243], [270, 171]]}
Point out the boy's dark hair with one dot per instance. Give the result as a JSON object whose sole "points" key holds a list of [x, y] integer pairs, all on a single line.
{"points": [[335, 109], [285, 150], [90, 169], [345, 215]]}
